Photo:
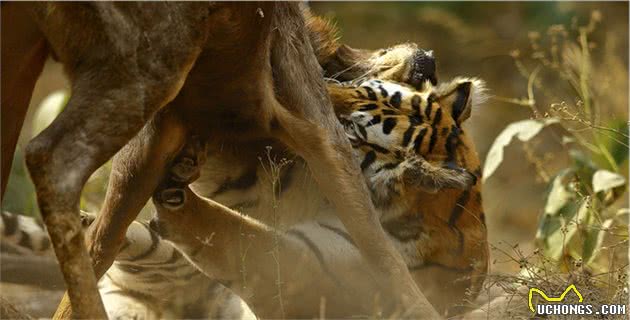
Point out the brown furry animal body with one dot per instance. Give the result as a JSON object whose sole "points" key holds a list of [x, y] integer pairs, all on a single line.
{"points": [[255, 78]]}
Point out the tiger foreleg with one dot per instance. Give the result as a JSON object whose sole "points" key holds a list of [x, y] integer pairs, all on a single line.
{"points": [[259, 262], [416, 173]]}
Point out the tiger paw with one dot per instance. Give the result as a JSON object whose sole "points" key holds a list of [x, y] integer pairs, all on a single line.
{"points": [[433, 177]]}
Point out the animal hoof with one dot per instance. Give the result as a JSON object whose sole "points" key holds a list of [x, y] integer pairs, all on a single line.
{"points": [[185, 170], [157, 227], [173, 198]]}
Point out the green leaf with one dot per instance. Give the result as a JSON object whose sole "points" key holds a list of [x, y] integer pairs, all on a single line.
{"points": [[604, 180], [559, 195], [565, 214], [550, 232], [522, 130], [616, 143], [573, 217], [593, 241], [584, 168]]}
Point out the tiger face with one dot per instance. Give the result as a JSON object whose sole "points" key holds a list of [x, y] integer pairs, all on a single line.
{"points": [[411, 144], [394, 128]]}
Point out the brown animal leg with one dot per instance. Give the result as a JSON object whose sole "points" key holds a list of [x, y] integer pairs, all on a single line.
{"points": [[24, 52], [98, 120], [125, 62], [136, 172], [305, 121], [327, 154]]}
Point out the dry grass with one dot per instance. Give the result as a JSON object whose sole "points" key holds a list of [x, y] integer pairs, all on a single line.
{"points": [[506, 295], [273, 170]]}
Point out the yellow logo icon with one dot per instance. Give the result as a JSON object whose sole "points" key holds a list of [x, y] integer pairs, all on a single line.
{"points": [[558, 299]]}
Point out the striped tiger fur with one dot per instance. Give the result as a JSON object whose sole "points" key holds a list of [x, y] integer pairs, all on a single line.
{"points": [[22, 234], [148, 280], [444, 233], [423, 172]]}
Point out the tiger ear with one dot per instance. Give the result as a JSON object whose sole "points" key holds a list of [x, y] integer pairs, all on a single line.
{"points": [[460, 96]]}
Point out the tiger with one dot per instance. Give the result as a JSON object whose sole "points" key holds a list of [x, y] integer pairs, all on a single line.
{"points": [[148, 280], [423, 173], [404, 168], [444, 231]]}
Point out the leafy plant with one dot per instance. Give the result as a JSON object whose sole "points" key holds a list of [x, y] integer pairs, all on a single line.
{"points": [[580, 211]]}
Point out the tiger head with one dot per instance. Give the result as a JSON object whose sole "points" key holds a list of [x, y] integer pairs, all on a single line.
{"points": [[401, 134]]}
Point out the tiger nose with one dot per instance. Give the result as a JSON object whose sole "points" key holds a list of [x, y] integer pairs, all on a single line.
{"points": [[423, 68]]}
